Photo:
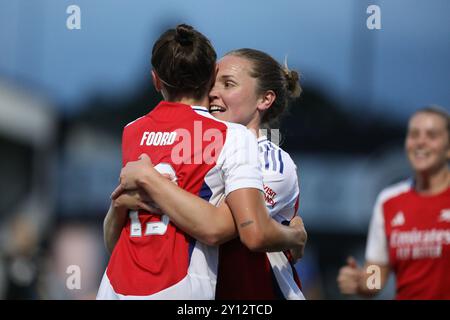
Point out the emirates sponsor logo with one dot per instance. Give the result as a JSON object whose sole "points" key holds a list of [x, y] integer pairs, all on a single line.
{"points": [[419, 244], [398, 220], [413, 237]]}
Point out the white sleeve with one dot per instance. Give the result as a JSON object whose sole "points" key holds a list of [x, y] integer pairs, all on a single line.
{"points": [[282, 191], [376, 248], [239, 159]]}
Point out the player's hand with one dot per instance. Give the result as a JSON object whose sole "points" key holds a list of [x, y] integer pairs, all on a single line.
{"points": [[130, 174], [297, 253], [350, 277], [136, 200]]}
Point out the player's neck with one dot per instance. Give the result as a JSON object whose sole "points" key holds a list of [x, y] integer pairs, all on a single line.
{"points": [[254, 126], [195, 102], [433, 183]]}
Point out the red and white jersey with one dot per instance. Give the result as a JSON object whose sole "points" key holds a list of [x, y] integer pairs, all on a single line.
{"points": [[411, 233], [153, 259], [254, 275]]}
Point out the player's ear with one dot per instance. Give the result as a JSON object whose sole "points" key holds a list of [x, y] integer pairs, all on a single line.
{"points": [[266, 100], [156, 81]]}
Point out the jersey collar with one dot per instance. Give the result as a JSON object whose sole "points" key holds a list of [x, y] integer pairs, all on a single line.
{"points": [[262, 138], [200, 108]]}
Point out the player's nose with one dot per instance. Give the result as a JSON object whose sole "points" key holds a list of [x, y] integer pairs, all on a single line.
{"points": [[213, 94]]}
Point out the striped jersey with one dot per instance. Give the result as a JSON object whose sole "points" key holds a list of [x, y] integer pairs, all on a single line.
{"points": [[255, 275]]}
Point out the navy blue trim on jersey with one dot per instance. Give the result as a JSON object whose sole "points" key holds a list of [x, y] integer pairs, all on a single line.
{"points": [[192, 243], [205, 192], [266, 157], [274, 162], [262, 140], [281, 161], [274, 159], [202, 110]]}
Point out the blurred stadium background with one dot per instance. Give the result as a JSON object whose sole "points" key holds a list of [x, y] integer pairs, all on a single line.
{"points": [[66, 94]]}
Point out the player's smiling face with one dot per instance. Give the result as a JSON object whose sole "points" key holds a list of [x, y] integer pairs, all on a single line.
{"points": [[427, 142], [233, 97]]}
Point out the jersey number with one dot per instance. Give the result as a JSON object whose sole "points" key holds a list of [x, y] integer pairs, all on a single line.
{"points": [[152, 228]]}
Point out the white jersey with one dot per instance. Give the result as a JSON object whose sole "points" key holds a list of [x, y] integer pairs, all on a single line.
{"points": [[281, 191]]}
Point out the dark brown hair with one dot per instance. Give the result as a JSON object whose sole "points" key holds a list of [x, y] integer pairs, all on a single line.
{"points": [[271, 75], [185, 61]]}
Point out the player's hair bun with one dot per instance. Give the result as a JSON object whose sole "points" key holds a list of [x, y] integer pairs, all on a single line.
{"points": [[292, 81], [184, 35]]}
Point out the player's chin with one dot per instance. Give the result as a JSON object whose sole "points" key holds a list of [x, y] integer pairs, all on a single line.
{"points": [[424, 167]]}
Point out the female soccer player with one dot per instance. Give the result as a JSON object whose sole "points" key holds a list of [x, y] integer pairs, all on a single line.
{"points": [[252, 89], [409, 232], [153, 259]]}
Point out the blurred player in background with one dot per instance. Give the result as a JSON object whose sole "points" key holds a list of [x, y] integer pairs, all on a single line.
{"points": [[409, 232], [252, 89], [153, 259]]}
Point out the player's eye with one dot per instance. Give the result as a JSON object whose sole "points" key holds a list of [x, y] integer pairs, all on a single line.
{"points": [[413, 134], [228, 84]]}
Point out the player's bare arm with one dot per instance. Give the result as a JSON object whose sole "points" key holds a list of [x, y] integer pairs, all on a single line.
{"points": [[210, 224], [116, 217], [257, 230], [112, 225], [197, 217]]}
